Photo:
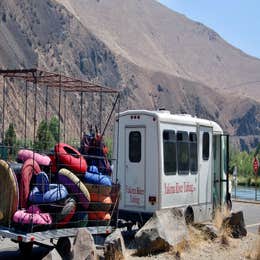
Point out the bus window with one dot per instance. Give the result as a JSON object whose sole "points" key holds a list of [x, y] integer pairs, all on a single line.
{"points": [[169, 152], [205, 147], [135, 146], [183, 152], [193, 153]]}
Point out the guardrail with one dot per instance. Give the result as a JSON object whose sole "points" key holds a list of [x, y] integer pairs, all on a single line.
{"points": [[246, 193]]}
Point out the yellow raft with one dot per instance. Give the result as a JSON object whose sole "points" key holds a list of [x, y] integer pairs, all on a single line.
{"points": [[9, 193]]}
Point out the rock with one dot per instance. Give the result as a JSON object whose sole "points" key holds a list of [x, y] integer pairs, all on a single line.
{"points": [[209, 231], [53, 255], [83, 247], [166, 229], [234, 225], [114, 246]]}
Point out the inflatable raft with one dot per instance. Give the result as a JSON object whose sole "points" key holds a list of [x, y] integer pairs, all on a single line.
{"points": [[30, 168], [99, 202], [68, 157], [75, 187], [9, 194], [41, 159], [32, 219]]}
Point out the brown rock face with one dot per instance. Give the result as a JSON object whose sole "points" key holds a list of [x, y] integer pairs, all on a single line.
{"points": [[156, 57]]}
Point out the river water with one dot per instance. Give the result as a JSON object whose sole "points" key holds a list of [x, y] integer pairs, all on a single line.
{"points": [[247, 193]]}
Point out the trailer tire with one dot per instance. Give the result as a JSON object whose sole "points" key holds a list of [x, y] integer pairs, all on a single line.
{"points": [[25, 248], [189, 215], [63, 246]]}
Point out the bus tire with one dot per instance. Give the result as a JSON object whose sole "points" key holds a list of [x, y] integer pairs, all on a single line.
{"points": [[189, 215]]}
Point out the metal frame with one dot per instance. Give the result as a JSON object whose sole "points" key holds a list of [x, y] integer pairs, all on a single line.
{"points": [[62, 83], [55, 80], [50, 234], [68, 85]]}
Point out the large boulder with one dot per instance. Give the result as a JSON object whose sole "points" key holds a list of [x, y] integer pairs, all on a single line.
{"points": [[167, 228], [84, 247], [234, 225], [114, 246]]}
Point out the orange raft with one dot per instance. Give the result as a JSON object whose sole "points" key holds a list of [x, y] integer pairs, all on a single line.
{"points": [[99, 202], [99, 218]]}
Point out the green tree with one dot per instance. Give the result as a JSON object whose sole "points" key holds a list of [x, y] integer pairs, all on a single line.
{"points": [[10, 139], [54, 128], [47, 134], [44, 139]]}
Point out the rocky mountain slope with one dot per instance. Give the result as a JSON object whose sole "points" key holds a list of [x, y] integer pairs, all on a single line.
{"points": [[156, 38], [154, 56]]}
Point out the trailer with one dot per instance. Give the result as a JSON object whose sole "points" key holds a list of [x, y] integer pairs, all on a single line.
{"points": [[67, 152], [167, 161], [54, 238]]}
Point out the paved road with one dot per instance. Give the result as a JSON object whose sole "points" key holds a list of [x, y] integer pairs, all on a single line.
{"points": [[9, 250], [251, 214]]}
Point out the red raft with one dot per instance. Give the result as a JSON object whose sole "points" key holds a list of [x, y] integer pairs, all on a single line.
{"points": [[30, 168], [70, 158]]}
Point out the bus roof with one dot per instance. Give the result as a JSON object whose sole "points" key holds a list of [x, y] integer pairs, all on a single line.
{"points": [[165, 116]]}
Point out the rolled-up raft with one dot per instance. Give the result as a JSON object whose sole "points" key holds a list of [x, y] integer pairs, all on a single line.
{"points": [[53, 166], [41, 159], [74, 186], [68, 157], [99, 179], [32, 219], [29, 169], [99, 189], [99, 202], [63, 218], [56, 192], [42, 182], [98, 218], [9, 194]]}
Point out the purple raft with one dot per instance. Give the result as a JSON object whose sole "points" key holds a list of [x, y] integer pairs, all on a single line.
{"points": [[74, 186]]}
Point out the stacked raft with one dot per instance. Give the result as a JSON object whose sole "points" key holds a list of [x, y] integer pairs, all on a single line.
{"points": [[41, 192]]}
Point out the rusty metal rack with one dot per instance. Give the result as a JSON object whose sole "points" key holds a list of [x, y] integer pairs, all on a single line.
{"points": [[57, 80]]}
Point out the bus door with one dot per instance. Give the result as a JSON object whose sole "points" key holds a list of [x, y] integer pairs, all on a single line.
{"points": [[221, 166], [135, 167], [205, 165]]}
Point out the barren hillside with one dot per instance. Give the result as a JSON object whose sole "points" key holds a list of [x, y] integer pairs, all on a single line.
{"points": [[156, 38], [156, 57]]}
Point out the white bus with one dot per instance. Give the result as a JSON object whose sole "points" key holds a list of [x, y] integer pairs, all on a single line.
{"points": [[166, 161]]}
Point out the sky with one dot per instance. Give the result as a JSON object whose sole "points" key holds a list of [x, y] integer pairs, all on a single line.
{"points": [[236, 21]]}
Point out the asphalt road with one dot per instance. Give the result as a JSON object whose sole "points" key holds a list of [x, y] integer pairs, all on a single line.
{"points": [[9, 250], [251, 213]]}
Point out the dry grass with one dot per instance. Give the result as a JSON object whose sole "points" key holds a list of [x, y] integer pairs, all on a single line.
{"points": [[180, 248], [224, 232], [197, 239], [254, 251], [219, 215], [224, 241]]}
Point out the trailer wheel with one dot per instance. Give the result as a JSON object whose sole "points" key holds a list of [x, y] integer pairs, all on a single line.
{"points": [[63, 246], [25, 248], [189, 215]]}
